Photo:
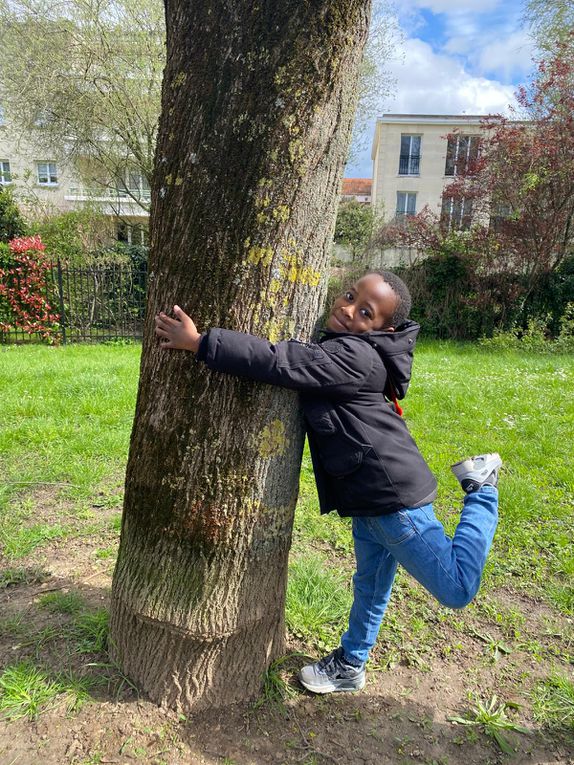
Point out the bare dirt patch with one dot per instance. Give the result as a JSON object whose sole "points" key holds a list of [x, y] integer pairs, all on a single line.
{"points": [[401, 717]]}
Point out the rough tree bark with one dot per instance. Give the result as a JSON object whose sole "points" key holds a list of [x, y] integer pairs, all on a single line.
{"points": [[258, 101]]}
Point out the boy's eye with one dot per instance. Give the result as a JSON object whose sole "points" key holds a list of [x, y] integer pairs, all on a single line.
{"points": [[349, 295], [366, 313]]}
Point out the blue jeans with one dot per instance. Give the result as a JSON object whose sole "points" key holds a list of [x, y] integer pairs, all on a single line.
{"points": [[450, 569]]}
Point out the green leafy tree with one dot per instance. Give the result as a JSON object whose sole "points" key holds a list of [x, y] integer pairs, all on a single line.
{"points": [[76, 236], [551, 22], [93, 94], [12, 223], [86, 84], [354, 226], [375, 84]]}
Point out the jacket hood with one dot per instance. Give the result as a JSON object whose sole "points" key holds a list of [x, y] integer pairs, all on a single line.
{"points": [[396, 350]]}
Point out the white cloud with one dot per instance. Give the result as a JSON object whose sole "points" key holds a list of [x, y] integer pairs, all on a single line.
{"points": [[489, 36], [508, 56], [455, 6], [431, 83], [506, 51], [469, 30]]}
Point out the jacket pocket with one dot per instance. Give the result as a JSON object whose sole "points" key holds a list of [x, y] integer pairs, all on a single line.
{"points": [[318, 415], [342, 464], [338, 454], [365, 487]]}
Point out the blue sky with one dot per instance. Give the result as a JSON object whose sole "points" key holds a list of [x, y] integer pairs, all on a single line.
{"points": [[456, 56]]}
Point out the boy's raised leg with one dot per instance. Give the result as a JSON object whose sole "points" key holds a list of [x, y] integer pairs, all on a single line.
{"points": [[450, 569]]}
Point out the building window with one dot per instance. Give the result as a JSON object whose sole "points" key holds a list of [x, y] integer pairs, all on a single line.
{"points": [[135, 185], [47, 173], [122, 232], [410, 158], [5, 175], [461, 153], [132, 233], [406, 205], [456, 213]]}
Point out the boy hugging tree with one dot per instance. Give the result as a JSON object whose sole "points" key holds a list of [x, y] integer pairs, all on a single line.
{"points": [[366, 463]]}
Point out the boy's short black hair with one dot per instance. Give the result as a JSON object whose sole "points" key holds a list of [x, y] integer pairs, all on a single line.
{"points": [[404, 300]]}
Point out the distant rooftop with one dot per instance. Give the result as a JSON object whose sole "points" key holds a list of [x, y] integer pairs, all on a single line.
{"points": [[356, 186], [431, 117]]}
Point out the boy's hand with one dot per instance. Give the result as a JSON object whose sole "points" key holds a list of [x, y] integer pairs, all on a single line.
{"points": [[180, 333]]}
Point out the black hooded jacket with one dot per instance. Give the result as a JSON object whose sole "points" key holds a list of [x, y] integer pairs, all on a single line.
{"points": [[365, 460]]}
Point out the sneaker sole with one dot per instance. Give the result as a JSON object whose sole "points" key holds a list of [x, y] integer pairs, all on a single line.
{"points": [[342, 688], [462, 468]]}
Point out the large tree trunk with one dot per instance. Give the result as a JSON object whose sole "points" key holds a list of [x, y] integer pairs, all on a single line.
{"points": [[258, 101]]}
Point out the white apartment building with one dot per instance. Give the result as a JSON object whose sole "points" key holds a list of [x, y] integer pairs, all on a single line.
{"points": [[413, 161], [47, 185]]}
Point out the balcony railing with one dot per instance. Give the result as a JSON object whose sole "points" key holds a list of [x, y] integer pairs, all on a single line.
{"points": [[144, 194], [103, 194], [409, 164]]}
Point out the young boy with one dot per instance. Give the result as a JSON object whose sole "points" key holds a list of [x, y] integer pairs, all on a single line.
{"points": [[366, 464]]}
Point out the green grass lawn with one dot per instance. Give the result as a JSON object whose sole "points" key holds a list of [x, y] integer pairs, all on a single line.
{"points": [[65, 415], [65, 422], [66, 412]]}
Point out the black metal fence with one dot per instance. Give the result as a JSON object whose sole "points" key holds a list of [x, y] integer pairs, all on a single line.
{"points": [[93, 303]]}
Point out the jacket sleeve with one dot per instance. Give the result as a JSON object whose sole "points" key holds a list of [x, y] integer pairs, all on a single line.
{"points": [[337, 367]]}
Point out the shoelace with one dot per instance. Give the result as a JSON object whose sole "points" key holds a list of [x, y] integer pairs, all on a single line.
{"points": [[328, 662]]}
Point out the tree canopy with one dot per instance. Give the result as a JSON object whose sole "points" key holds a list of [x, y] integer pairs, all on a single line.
{"points": [[354, 226], [550, 21], [375, 81], [86, 85]]}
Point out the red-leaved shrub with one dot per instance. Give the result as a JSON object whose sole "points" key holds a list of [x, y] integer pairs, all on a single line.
{"points": [[23, 290]]}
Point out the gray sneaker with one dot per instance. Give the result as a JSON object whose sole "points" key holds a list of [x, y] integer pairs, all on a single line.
{"points": [[332, 673], [478, 471]]}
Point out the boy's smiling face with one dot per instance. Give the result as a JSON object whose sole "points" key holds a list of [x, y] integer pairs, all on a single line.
{"points": [[365, 307]]}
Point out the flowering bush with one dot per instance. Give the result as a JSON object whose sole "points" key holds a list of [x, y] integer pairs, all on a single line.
{"points": [[26, 243], [23, 289]]}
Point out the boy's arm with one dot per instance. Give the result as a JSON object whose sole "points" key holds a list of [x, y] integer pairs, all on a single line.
{"points": [[338, 366]]}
